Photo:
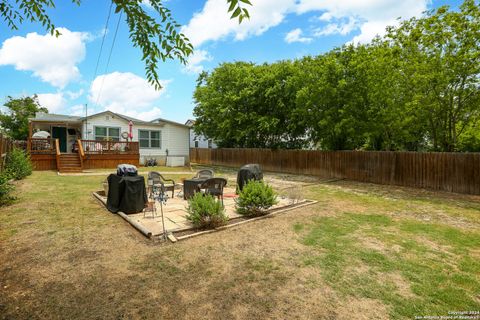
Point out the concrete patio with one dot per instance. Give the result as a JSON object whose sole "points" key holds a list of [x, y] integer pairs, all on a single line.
{"points": [[175, 211]]}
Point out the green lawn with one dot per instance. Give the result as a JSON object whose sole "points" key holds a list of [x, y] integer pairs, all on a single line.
{"points": [[375, 252]]}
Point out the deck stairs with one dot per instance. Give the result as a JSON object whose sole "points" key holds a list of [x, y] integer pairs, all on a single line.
{"points": [[70, 162]]}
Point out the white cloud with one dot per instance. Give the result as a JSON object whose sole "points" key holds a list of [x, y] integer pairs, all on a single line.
{"points": [[149, 115], [326, 16], [342, 27], [72, 95], [195, 60], [147, 4], [52, 59], [126, 93], [214, 23], [296, 36], [77, 110], [54, 102], [369, 17]]}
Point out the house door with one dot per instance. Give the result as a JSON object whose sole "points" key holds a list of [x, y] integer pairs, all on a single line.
{"points": [[60, 133]]}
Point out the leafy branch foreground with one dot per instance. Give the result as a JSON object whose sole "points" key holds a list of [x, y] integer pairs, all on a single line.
{"points": [[159, 39]]}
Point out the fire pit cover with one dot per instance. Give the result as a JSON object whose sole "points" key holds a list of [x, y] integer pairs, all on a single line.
{"points": [[248, 172], [126, 194]]}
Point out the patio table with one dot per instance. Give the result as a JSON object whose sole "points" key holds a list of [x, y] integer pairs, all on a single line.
{"points": [[190, 186]]}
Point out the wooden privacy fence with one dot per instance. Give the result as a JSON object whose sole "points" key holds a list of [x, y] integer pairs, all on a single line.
{"points": [[6, 145], [454, 172]]}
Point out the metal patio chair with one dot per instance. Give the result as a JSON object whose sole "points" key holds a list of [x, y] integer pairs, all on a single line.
{"points": [[159, 181], [214, 187], [204, 174]]}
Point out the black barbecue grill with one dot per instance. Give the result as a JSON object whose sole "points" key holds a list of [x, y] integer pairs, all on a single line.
{"points": [[126, 190], [248, 172]]}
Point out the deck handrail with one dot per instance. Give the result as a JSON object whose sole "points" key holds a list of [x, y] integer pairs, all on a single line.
{"points": [[80, 148], [109, 147], [57, 153], [81, 154], [41, 145]]}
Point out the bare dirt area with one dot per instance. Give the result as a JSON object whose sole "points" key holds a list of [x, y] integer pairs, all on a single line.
{"points": [[63, 256]]}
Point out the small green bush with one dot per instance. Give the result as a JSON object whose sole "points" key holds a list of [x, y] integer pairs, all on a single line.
{"points": [[255, 198], [206, 212], [5, 189], [18, 164]]}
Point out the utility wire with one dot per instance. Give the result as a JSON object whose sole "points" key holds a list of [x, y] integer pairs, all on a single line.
{"points": [[98, 59], [109, 56], [103, 39]]}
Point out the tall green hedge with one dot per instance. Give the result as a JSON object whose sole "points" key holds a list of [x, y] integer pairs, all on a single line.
{"points": [[18, 164], [17, 167]]}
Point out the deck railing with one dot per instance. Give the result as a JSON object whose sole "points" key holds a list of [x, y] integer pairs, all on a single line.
{"points": [[109, 147], [42, 146], [47, 146]]}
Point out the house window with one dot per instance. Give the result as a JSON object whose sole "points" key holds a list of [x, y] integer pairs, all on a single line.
{"points": [[150, 139], [196, 143], [107, 133], [210, 144]]}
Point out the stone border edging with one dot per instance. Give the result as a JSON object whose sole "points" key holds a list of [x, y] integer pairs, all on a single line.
{"points": [[269, 215], [149, 235]]}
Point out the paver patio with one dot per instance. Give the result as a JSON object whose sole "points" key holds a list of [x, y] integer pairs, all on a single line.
{"points": [[175, 212]]}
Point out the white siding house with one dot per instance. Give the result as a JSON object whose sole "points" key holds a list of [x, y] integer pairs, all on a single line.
{"points": [[199, 141], [157, 139]]}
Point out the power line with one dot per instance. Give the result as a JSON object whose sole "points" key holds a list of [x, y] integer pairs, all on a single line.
{"points": [[103, 39], [98, 60], [109, 56]]}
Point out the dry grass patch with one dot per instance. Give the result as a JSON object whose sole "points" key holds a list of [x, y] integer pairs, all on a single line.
{"points": [[361, 251]]}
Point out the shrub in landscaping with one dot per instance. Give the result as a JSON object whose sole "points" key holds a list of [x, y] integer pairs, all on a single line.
{"points": [[255, 198], [206, 212], [5, 189], [18, 164]]}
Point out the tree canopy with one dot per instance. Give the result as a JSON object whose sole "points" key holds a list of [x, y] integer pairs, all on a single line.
{"points": [[158, 38], [15, 120], [416, 88]]}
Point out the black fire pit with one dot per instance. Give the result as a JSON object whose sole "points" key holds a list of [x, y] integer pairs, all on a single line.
{"points": [[246, 173]]}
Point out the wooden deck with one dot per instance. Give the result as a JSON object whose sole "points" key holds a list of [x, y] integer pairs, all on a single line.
{"points": [[89, 154]]}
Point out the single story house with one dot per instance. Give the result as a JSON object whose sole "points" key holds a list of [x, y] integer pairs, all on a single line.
{"points": [[104, 140], [199, 140]]}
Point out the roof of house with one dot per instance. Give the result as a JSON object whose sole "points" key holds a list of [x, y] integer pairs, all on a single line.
{"points": [[124, 117], [51, 117], [169, 121], [190, 122]]}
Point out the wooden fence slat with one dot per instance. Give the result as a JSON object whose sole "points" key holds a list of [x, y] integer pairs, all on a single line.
{"points": [[6, 146], [453, 172]]}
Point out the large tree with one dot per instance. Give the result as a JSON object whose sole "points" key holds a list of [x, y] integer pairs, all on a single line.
{"points": [[440, 59], [247, 105], [158, 38], [416, 89], [15, 120]]}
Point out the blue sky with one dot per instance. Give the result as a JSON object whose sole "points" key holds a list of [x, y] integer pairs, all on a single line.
{"points": [[61, 70]]}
